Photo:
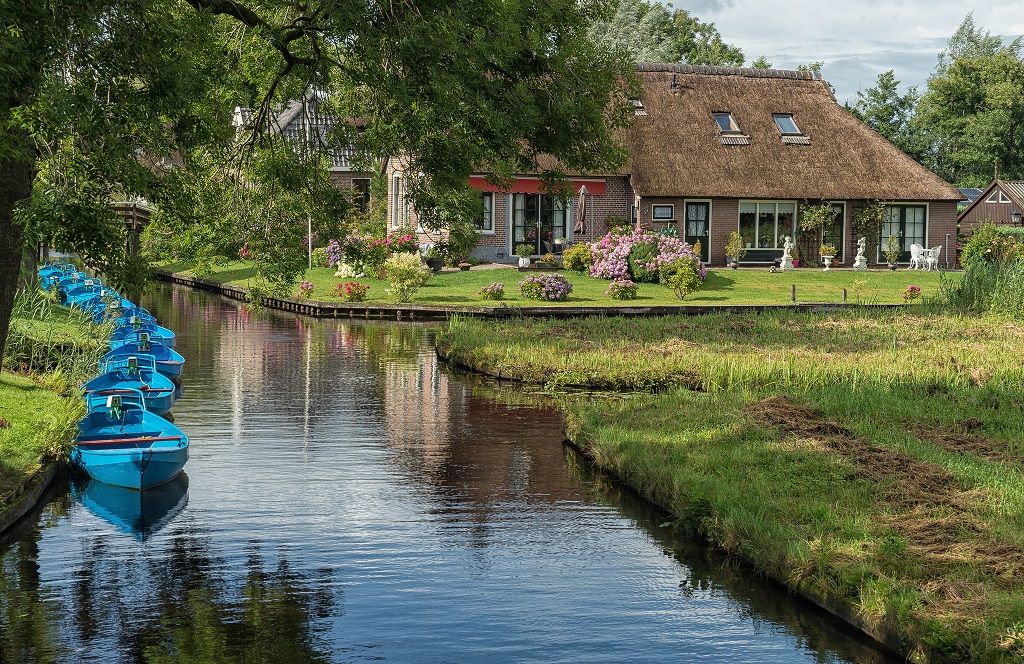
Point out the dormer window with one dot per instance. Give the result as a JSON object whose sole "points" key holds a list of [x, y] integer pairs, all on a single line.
{"points": [[790, 132], [638, 107], [728, 131], [726, 124]]}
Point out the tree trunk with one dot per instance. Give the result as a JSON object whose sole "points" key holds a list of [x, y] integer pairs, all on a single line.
{"points": [[15, 186]]}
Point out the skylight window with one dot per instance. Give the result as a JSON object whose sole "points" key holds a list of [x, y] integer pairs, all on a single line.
{"points": [[726, 124], [638, 107], [786, 124]]}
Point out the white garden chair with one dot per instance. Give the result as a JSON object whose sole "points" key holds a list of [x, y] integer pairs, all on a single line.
{"points": [[932, 257], [917, 257]]}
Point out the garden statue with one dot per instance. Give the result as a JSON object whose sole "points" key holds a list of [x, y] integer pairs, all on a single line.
{"points": [[787, 255], [860, 263]]}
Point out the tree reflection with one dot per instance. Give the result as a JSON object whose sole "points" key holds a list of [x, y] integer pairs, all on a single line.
{"points": [[180, 605]]}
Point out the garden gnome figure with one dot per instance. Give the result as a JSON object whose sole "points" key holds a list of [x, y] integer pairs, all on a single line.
{"points": [[787, 255], [861, 262]]}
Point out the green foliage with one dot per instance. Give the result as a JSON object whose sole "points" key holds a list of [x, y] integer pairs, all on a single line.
{"points": [[866, 222], [891, 114], [734, 246], [651, 32], [682, 275], [972, 101], [524, 250], [461, 240], [892, 249], [578, 257], [990, 243], [406, 273], [320, 257], [618, 225], [761, 63], [640, 256]]}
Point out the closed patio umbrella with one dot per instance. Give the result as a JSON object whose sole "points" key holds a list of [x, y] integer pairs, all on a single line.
{"points": [[580, 227]]}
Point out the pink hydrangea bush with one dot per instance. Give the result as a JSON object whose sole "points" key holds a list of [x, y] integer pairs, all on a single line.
{"points": [[611, 255]]}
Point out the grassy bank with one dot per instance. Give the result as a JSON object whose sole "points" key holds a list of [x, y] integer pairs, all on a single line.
{"points": [[723, 286], [875, 461], [53, 350]]}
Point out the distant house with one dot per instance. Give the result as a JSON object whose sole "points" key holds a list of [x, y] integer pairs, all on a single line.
{"points": [[718, 149], [302, 122], [998, 202], [970, 194]]}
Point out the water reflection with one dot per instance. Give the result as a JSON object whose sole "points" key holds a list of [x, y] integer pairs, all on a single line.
{"points": [[137, 513], [351, 498]]}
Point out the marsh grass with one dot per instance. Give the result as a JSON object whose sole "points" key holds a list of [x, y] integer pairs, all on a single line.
{"points": [[45, 337], [873, 458], [945, 563], [715, 352], [723, 286]]}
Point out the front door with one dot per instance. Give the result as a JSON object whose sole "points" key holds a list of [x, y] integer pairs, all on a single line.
{"points": [[539, 221], [697, 227]]}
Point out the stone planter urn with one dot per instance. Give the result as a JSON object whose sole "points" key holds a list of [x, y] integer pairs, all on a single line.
{"points": [[524, 261], [827, 260]]}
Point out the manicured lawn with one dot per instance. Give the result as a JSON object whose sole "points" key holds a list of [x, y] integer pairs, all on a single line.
{"points": [[723, 286]]}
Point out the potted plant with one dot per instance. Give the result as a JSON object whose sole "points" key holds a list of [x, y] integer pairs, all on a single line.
{"points": [[524, 251], [892, 251], [734, 249], [434, 259], [827, 253], [796, 256]]}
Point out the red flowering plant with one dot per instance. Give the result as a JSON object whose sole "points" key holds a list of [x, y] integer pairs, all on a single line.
{"points": [[351, 291], [305, 288]]}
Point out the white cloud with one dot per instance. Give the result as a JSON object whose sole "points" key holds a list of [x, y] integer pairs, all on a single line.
{"points": [[856, 41]]}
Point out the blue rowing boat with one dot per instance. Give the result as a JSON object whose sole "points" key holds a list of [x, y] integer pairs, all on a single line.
{"points": [[121, 443], [125, 328], [168, 361], [122, 375]]}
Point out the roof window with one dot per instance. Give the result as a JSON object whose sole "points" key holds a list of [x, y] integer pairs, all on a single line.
{"points": [[728, 131], [638, 107], [786, 124], [726, 124]]}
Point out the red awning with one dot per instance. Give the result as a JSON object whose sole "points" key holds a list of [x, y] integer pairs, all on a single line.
{"points": [[534, 185]]}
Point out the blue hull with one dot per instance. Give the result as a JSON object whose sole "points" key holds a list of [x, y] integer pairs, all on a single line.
{"points": [[131, 466], [157, 333], [168, 362], [137, 513], [159, 391]]}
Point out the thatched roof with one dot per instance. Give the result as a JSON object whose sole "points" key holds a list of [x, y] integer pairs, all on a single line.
{"points": [[677, 149]]}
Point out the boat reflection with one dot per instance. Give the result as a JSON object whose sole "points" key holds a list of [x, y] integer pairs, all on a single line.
{"points": [[137, 513]]}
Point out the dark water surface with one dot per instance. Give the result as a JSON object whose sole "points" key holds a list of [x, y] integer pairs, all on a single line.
{"points": [[349, 499]]}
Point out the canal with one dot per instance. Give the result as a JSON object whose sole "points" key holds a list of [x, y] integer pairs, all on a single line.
{"points": [[348, 499]]}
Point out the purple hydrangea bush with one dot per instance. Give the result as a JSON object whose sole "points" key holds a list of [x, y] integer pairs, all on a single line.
{"points": [[623, 289], [552, 287]]}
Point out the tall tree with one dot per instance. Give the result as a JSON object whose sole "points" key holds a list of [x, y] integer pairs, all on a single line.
{"points": [[891, 114], [973, 109], [116, 88], [650, 32]]}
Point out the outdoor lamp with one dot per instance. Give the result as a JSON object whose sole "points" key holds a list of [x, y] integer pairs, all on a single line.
{"points": [[1015, 217]]}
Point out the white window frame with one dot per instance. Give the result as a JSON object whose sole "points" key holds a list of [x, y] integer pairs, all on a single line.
{"points": [[999, 197], [798, 132], [672, 212], [757, 214], [396, 200], [489, 211], [734, 127]]}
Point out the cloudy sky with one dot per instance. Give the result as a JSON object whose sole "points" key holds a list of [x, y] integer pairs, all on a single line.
{"points": [[856, 40]]}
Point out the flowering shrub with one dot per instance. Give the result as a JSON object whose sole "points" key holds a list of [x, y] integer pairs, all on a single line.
{"points": [[406, 273], [554, 287], [623, 289], [305, 288], [912, 293], [320, 257], [346, 271], [640, 261], [400, 244], [578, 257], [494, 291], [351, 291], [334, 253], [612, 258], [684, 275], [245, 253]]}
